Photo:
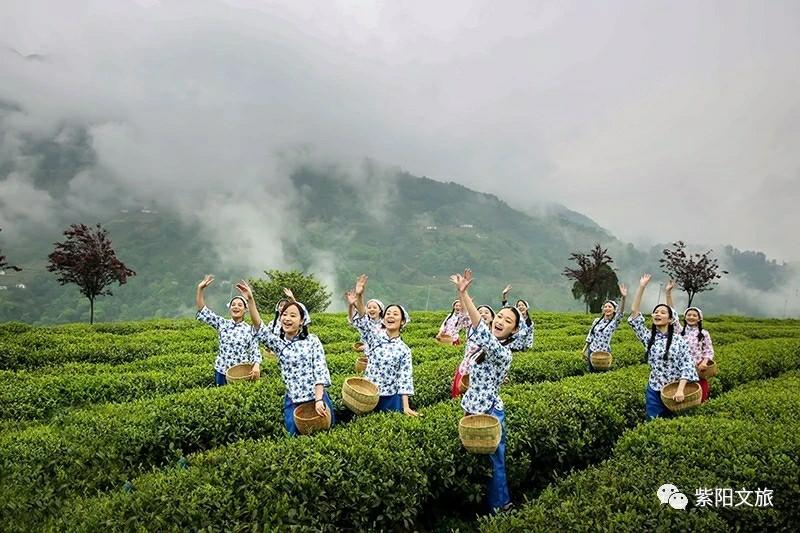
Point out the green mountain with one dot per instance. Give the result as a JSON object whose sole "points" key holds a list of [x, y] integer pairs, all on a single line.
{"points": [[407, 233]]}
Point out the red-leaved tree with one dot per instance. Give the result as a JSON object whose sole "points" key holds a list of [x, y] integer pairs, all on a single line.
{"points": [[694, 273], [4, 264], [87, 259], [595, 281]]}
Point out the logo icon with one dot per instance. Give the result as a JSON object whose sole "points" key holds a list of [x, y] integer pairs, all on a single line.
{"points": [[669, 494]]}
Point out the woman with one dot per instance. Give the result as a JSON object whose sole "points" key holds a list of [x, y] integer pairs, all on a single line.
{"points": [[699, 340], [300, 355], [471, 352], [389, 363], [604, 326], [237, 344], [453, 324], [486, 376], [667, 353], [523, 340]]}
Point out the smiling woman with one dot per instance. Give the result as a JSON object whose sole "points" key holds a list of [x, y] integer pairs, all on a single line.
{"points": [[237, 343]]}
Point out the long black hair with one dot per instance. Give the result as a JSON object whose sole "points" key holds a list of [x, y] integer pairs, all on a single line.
{"points": [[452, 312], [700, 335], [303, 333], [528, 320], [654, 330], [600, 318]]}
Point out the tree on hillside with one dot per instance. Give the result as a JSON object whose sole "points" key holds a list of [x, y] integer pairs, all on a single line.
{"points": [[4, 264], [595, 281], [694, 273], [306, 288], [87, 259]]}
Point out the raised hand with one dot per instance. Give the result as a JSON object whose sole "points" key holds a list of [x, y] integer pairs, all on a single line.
{"points": [[351, 297], [361, 283], [245, 290], [289, 294], [669, 286], [207, 280], [508, 288], [461, 282], [644, 280], [623, 290]]}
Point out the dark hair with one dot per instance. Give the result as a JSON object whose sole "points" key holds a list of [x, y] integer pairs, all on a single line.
{"points": [[598, 319], [700, 335], [402, 315], [452, 312], [303, 332], [278, 314], [653, 330], [489, 308]]}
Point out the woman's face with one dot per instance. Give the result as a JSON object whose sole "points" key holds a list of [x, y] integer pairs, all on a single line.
{"points": [[291, 320], [486, 316], [661, 316], [237, 309], [373, 310], [692, 317], [393, 319], [504, 324], [457, 307], [522, 308], [608, 309]]}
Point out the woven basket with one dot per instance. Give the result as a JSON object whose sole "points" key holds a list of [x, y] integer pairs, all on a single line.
{"points": [[445, 339], [308, 421], [710, 371], [692, 394], [359, 395], [463, 384], [480, 433], [361, 364], [239, 373], [358, 346], [601, 360]]}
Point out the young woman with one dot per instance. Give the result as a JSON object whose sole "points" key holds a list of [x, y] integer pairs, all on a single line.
{"points": [[667, 353], [523, 340], [486, 376], [301, 358], [237, 344], [453, 324], [471, 352], [274, 324], [699, 340], [375, 309], [389, 363], [604, 326]]}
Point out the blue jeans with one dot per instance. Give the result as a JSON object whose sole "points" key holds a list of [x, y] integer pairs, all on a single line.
{"points": [[498, 493], [390, 403], [219, 379], [288, 413], [653, 405]]}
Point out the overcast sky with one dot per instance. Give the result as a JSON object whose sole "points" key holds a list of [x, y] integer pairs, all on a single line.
{"points": [[659, 120]]}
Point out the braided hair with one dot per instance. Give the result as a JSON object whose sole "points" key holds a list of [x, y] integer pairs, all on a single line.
{"points": [[654, 330], [302, 334], [528, 320]]}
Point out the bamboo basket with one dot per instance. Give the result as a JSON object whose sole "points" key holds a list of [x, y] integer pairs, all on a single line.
{"points": [[446, 339], [464, 384], [601, 360], [361, 364], [710, 371], [308, 421], [480, 433], [692, 395], [359, 395], [239, 373], [358, 346]]}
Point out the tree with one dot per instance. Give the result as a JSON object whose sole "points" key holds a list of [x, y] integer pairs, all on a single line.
{"points": [[595, 281], [4, 264], [87, 259], [694, 273], [306, 288]]}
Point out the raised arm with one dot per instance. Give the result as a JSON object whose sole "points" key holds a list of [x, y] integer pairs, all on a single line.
{"points": [[289, 295], [504, 298], [246, 292], [199, 298], [668, 291], [462, 282], [637, 299], [361, 284], [623, 291]]}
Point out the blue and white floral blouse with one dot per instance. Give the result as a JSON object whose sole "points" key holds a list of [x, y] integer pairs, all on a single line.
{"points": [[237, 344], [302, 363], [389, 363], [599, 337], [523, 338], [376, 327], [486, 377], [680, 364]]}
